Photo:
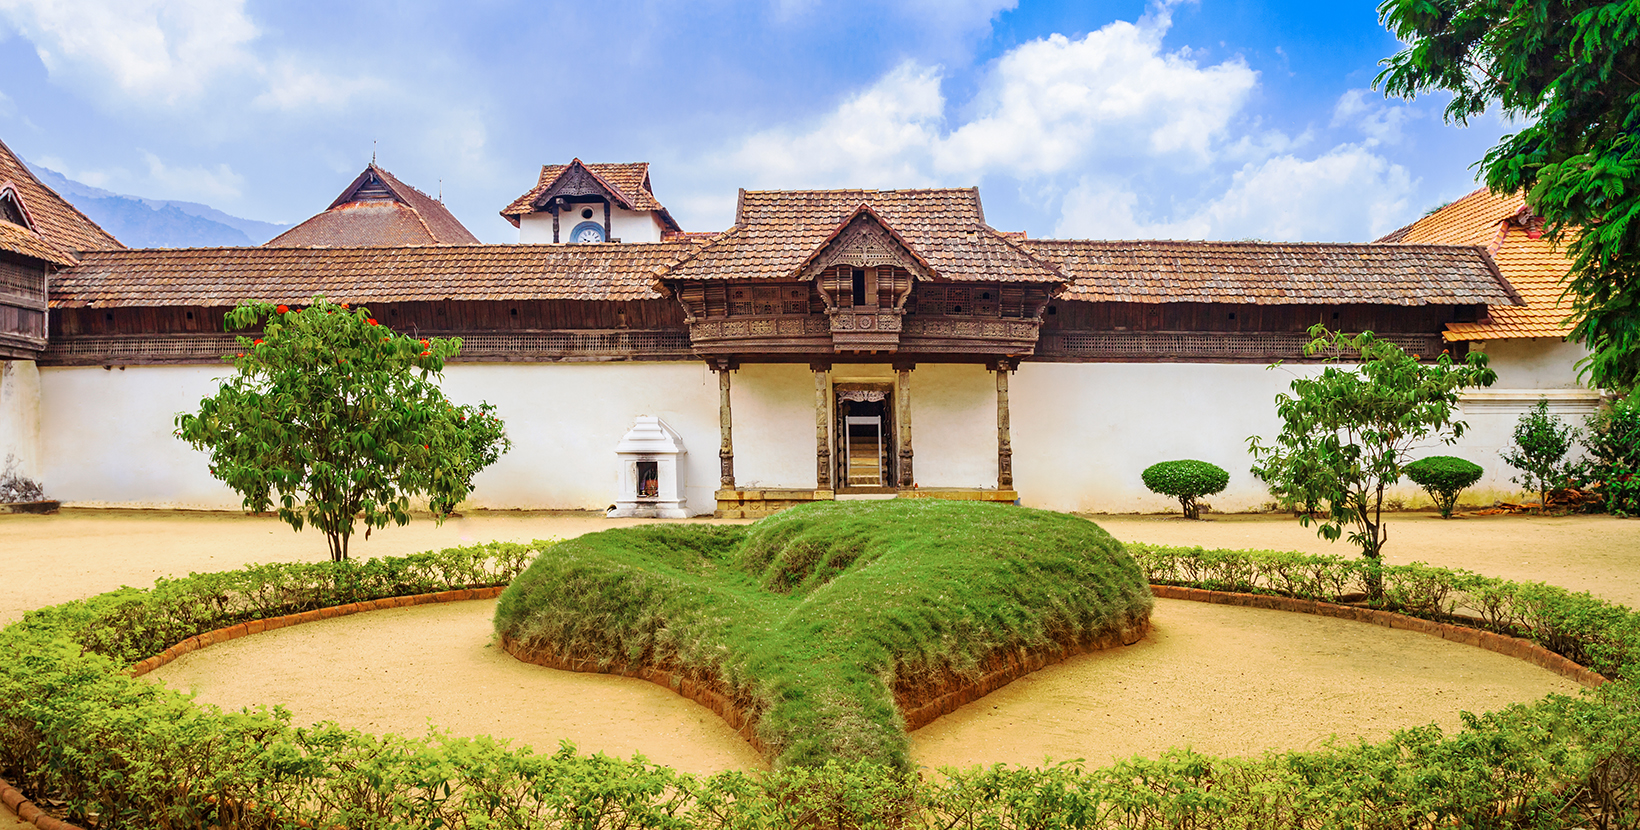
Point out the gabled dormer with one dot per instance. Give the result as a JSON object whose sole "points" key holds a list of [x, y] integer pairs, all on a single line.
{"points": [[378, 210], [588, 203]]}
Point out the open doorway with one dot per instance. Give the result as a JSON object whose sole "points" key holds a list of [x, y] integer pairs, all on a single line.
{"points": [[865, 448]]}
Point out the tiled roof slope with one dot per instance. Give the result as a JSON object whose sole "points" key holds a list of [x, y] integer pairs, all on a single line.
{"points": [[777, 231], [17, 239], [410, 218], [357, 224], [224, 276], [1265, 273], [629, 180], [1506, 227], [55, 220]]}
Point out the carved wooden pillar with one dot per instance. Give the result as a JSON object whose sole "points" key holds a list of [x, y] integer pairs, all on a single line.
{"points": [[1005, 445], [554, 211], [726, 449], [902, 416], [606, 221], [822, 426]]}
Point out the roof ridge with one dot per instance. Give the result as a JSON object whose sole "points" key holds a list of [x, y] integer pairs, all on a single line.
{"points": [[23, 166]]}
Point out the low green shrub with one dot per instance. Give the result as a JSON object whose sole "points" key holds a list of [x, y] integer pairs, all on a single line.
{"points": [[1186, 481], [1592, 632], [117, 752], [1443, 477], [812, 619]]}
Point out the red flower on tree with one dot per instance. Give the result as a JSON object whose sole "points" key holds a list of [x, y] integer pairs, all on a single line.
{"points": [[372, 321], [282, 309]]}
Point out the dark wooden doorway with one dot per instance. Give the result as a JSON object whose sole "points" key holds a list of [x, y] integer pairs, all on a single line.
{"points": [[865, 441]]}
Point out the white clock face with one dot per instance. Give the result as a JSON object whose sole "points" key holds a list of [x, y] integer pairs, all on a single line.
{"points": [[589, 235]]}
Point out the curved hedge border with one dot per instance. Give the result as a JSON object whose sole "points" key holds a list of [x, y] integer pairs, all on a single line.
{"points": [[130, 754]]}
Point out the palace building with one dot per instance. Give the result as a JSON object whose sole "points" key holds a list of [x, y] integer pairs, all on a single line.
{"points": [[829, 344]]}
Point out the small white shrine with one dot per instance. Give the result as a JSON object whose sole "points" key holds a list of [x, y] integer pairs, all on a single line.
{"points": [[651, 472]]}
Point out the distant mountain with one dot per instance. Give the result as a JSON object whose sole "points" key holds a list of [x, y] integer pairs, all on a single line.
{"points": [[158, 223]]}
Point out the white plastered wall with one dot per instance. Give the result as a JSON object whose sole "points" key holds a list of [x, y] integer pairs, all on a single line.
{"points": [[954, 425], [1528, 369], [625, 225], [106, 433], [20, 419], [1083, 432]]}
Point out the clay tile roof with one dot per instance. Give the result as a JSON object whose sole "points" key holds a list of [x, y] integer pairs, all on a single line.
{"points": [[224, 276], [777, 231], [1264, 273], [398, 214], [55, 222], [1506, 227], [628, 182], [16, 239]]}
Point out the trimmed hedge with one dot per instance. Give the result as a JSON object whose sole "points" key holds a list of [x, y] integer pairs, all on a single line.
{"points": [[1443, 477], [131, 754], [1185, 480]]}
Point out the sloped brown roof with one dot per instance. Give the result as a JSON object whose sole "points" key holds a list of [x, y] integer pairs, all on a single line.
{"points": [[1264, 273], [777, 231], [409, 217], [16, 239], [224, 276], [627, 181], [56, 221], [1507, 228]]}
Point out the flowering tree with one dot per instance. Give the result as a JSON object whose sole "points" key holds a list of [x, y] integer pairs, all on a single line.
{"points": [[337, 419], [1347, 434]]}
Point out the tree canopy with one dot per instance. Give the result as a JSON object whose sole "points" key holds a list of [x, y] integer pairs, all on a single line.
{"points": [[1571, 70], [1348, 433], [338, 419]]}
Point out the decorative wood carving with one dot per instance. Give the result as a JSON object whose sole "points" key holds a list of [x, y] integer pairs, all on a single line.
{"points": [[822, 428], [726, 448], [1005, 446], [902, 406], [573, 182]]}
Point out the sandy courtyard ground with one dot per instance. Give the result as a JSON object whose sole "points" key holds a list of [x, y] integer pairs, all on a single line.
{"points": [[1222, 680]]}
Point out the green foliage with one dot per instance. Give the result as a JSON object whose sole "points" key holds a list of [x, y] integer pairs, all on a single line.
{"points": [[1589, 631], [1570, 73], [1347, 433], [1444, 477], [332, 417], [1541, 444], [1186, 481], [121, 753], [1614, 451], [812, 619]]}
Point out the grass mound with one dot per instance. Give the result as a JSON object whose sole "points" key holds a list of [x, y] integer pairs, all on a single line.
{"points": [[813, 620]]}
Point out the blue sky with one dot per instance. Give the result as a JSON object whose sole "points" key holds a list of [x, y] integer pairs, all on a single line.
{"points": [[1209, 119]]}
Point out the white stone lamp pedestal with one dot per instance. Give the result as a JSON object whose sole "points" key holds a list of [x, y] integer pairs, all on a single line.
{"points": [[651, 462]]}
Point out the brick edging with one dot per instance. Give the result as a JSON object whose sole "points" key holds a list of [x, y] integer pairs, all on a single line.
{"points": [[1015, 666], [234, 632], [1502, 644], [29, 812]]}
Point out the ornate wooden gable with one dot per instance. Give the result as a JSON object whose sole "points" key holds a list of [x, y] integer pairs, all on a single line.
{"points": [[864, 274]]}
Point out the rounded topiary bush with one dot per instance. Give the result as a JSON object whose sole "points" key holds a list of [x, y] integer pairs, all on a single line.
{"points": [[1444, 477], [1186, 481]]}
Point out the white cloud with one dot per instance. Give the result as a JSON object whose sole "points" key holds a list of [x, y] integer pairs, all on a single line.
{"points": [[1377, 119], [161, 50], [173, 53], [1346, 194], [1047, 106], [1055, 103], [879, 138], [197, 183]]}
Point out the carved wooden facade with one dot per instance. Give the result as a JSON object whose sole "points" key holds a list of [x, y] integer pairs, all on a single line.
{"points": [[22, 307]]}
